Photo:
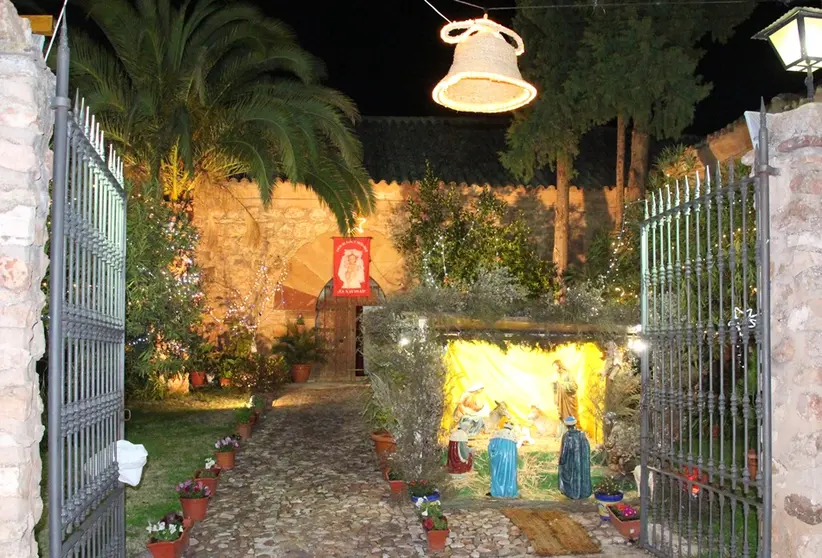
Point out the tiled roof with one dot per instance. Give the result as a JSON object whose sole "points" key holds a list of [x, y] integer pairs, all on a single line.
{"points": [[466, 150]]}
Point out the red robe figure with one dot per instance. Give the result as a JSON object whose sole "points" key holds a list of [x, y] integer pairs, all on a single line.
{"points": [[460, 458]]}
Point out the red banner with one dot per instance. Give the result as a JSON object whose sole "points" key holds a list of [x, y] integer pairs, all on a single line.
{"points": [[352, 263]]}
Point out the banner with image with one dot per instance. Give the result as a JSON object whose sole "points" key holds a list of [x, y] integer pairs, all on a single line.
{"points": [[352, 262]]}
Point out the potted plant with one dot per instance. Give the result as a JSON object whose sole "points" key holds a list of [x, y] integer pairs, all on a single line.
{"points": [[396, 482], [258, 402], [435, 524], [271, 372], [626, 520], [300, 323], [167, 539], [422, 491], [300, 350], [608, 491], [209, 475], [244, 422], [201, 361], [194, 497], [384, 443], [225, 451]]}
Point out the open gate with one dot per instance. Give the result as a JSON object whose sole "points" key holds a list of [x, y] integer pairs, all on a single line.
{"points": [[706, 412], [86, 334]]}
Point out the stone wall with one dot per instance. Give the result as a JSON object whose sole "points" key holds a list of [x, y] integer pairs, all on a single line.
{"points": [[26, 89], [238, 234], [796, 331]]}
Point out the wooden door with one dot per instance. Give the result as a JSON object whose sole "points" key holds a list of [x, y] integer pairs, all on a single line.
{"points": [[338, 326]]}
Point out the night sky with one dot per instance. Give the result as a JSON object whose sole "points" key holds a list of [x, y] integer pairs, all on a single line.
{"points": [[387, 55]]}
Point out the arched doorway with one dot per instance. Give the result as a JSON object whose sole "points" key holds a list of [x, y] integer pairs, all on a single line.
{"points": [[338, 325]]}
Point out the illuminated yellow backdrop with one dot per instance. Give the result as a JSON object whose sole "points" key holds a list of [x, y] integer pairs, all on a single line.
{"points": [[522, 377]]}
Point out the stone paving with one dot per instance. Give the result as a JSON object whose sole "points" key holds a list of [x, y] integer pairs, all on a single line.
{"points": [[307, 485]]}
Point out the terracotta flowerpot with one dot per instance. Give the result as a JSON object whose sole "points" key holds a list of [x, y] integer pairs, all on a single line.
{"points": [[225, 459], [300, 373], [300, 328], [210, 482], [753, 463], [166, 549], [255, 418], [398, 487], [194, 508], [244, 430], [384, 445], [198, 379], [628, 529], [225, 382], [436, 539]]}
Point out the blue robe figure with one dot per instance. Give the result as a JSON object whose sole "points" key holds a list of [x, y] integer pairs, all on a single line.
{"points": [[575, 463], [503, 452]]}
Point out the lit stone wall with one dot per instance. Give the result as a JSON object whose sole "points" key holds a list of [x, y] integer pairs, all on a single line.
{"points": [[238, 234], [26, 88], [796, 338]]}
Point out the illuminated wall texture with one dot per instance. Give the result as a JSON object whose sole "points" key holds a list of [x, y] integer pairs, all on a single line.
{"points": [[522, 377]]}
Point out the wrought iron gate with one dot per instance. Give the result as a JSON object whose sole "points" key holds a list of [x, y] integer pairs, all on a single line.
{"points": [[86, 334], [706, 420]]}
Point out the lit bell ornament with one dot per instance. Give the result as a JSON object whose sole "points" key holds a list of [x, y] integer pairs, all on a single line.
{"points": [[484, 76]]}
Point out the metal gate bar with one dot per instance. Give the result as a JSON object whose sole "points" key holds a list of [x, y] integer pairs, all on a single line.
{"points": [[706, 433], [86, 333]]}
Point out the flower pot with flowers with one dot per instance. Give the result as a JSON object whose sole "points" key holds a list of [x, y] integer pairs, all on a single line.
{"points": [[194, 496], [244, 422], [626, 519], [225, 451], [166, 539], [422, 491], [209, 475], [608, 491], [435, 524]]}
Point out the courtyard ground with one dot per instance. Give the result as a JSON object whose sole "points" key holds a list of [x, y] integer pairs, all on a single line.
{"points": [[307, 485]]}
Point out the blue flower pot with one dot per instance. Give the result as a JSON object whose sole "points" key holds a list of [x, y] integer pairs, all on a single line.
{"points": [[603, 500], [432, 498]]}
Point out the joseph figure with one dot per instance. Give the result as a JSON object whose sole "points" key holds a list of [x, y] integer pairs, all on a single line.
{"points": [[565, 390]]}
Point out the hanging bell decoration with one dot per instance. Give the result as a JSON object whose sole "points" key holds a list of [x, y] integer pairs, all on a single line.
{"points": [[484, 76]]}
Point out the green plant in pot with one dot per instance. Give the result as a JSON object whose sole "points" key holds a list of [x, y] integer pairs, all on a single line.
{"points": [[243, 415], [200, 363], [300, 350], [608, 491]]}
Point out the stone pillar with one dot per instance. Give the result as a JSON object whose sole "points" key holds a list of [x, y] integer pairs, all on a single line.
{"points": [[26, 89], [796, 330]]}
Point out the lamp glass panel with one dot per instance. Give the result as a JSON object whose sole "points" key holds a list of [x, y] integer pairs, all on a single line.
{"points": [[786, 43], [813, 37]]}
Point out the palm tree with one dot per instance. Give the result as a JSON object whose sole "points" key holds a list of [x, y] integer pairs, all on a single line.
{"points": [[213, 89]]}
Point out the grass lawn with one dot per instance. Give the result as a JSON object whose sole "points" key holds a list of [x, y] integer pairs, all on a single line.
{"points": [[178, 433]]}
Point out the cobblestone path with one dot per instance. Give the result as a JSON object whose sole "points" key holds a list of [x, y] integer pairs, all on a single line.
{"points": [[306, 486]]}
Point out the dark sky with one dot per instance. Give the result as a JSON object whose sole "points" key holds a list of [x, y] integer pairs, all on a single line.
{"points": [[387, 55]]}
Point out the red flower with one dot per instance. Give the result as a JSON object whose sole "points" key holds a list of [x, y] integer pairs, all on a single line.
{"points": [[428, 524]]}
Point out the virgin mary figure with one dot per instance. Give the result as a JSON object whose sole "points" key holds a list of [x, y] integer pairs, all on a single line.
{"points": [[352, 270]]}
